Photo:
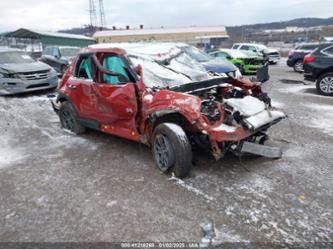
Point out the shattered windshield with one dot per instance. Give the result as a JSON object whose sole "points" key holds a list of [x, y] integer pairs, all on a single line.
{"points": [[196, 54], [156, 75], [186, 65], [15, 57]]}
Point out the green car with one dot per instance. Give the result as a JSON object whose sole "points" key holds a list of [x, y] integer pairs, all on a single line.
{"points": [[247, 63]]}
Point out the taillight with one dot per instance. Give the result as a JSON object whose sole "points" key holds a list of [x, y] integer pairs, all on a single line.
{"points": [[309, 58], [291, 52]]}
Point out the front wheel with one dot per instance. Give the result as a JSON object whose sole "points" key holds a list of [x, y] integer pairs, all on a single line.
{"points": [[324, 84], [171, 149], [69, 118]]}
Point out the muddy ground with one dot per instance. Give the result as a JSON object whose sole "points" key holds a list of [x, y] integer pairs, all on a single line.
{"points": [[96, 187]]}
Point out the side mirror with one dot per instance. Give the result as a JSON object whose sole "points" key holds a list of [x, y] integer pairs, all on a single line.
{"points": [[263, 74]]}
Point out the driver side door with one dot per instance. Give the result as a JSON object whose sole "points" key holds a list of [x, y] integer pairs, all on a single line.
{"points": [[115, 96]]}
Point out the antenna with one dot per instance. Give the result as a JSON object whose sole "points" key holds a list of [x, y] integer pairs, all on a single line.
{"points": [[102, 14]]}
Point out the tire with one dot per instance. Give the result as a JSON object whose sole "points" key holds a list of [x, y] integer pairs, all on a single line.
{"points": [[298, 66], [69, 118], [171, 149], [324, 84]]}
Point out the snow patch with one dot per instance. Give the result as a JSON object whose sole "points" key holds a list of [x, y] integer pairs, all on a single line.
{"points": [[277, 104], [10, 155], [323, 118], [224, 235], [298, 89]]}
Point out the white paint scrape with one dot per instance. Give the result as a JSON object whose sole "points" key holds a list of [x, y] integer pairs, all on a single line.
{"points": [[148, 98], [194, 103], [191, 188]]}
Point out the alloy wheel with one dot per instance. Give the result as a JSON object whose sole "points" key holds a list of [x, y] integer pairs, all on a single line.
{"points": [[326, 84], [164, 154]]}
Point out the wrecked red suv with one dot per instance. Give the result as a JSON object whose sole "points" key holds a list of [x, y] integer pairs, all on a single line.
{"points": [[110, 90]]}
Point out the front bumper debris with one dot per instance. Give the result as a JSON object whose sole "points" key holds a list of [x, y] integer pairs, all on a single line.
{"points": [[261, 150]]}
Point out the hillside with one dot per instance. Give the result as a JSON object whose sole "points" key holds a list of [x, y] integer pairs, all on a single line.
{"points": [[299, 22]]}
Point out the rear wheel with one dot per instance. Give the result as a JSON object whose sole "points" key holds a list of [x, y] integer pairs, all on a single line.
{"points": [[69, 118], [298, 66], [171, 149], [324, 84]]}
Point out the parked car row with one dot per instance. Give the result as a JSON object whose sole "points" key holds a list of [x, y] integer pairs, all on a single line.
{"points": [[248, 57], [272, 55], [247, 63], [316, 62], [59, 57], [296, 56], [318, 66]]}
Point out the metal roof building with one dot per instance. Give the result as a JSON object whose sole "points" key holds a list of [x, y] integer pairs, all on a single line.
{"points": [[188, 35], [48, 38]]}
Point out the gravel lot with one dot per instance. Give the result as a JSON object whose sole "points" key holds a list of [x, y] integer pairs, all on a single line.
{"points": [[95, 187]]}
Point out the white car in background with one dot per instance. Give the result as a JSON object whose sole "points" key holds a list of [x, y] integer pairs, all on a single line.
{"points": [[272, 55]]}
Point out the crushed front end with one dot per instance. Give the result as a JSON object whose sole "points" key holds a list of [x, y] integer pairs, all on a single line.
{"points": [[235, 115]]}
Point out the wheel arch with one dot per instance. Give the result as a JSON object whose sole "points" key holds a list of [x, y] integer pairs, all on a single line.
{"points": [[325, 71], [62, 97], [167, 116]]}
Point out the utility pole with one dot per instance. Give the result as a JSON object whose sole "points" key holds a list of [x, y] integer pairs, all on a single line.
{"points": [[93, 16], [102, 14]]}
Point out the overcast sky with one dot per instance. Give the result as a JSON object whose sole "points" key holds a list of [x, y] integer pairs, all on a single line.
{"points": [[53, 15]]}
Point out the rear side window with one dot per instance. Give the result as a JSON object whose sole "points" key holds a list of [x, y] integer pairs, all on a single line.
{"points": [[308, 47], [236, 46], [85, 68], [223, 55], [48, 51], [328, 51], [248, 48]]}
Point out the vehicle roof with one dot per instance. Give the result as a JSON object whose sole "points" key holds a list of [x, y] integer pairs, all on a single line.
{"points": [[234, 52], [251, 44], [326, 44], [159, 51], [307, 44]]}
